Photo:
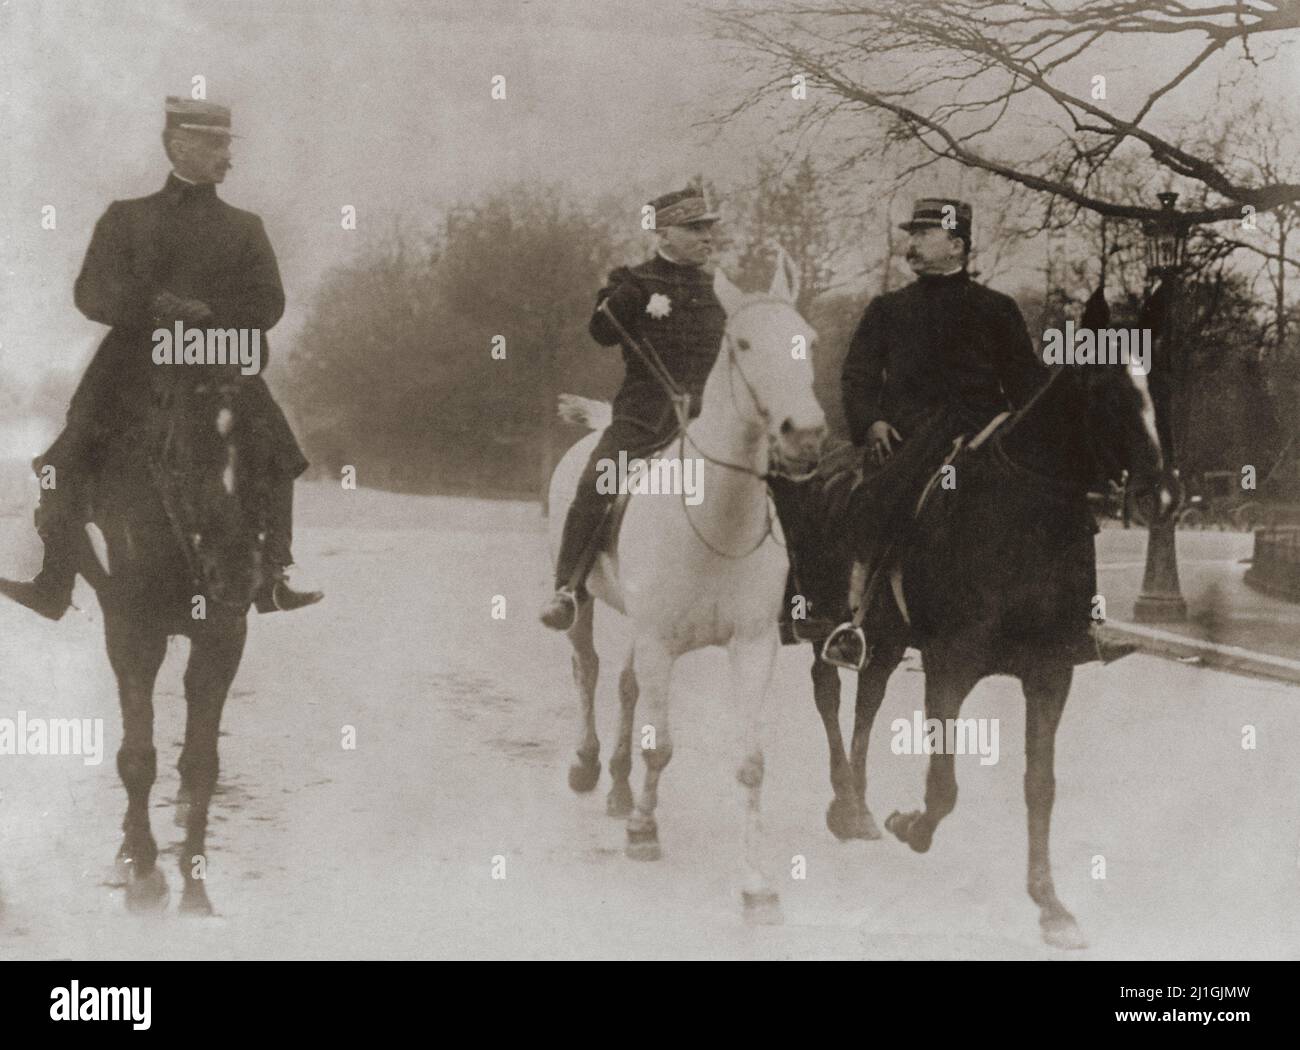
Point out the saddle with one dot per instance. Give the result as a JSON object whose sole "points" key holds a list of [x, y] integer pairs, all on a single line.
{"points": [[846, 646]]}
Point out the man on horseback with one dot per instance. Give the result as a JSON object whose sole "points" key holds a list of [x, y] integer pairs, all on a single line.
{"points": [[928, 363], [179, 256], [668, 305]]}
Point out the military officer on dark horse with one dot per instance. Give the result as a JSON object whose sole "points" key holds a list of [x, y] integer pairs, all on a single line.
{"points": [[668, 305], [934, 360], [179, 255]]}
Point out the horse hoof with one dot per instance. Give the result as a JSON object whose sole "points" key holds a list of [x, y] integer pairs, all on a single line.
{"points": [[762, 908], [643, 842], [849, 820], [905, 827], [1063, 933], [147, 894], [583, 775], [194, 901], [643, 851], [619, 801]]}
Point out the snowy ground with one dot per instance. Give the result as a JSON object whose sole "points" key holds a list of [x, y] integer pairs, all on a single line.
{"points": [[465, 728]]}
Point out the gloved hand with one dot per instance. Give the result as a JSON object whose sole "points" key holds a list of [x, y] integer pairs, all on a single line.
{"points": [[880, 438]]}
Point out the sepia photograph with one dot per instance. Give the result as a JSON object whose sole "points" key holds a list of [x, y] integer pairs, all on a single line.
{"points": [[734, 480]]}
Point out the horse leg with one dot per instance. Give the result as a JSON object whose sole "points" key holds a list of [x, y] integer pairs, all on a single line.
{"points": [[214, 658], [653, 665], [751, 662], [619, 802], [585, 772], [135, 652], [945, 689], [826, 695], [872, 681], [1046, 690]]}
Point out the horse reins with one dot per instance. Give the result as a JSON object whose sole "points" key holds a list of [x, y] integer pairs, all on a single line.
{"points": [[681, 408]]}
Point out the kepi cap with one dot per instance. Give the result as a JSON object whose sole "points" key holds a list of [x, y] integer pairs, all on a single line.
{"points": [[197, 115], [682, 207], [944, 213]]}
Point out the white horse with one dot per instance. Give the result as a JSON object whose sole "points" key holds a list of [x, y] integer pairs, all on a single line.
{"points": [[706, 573]]}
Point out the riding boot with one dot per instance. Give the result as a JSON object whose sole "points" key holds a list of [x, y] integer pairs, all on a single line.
{"points": [[56, 518], [579, 543], [275, 594], [847, 645], [804, 618]]}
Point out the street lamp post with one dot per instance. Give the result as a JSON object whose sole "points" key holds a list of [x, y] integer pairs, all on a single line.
{"points": [[1161, 600]]}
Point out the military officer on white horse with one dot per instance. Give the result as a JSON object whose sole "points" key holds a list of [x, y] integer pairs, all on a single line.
{"points": [[669, 306]]}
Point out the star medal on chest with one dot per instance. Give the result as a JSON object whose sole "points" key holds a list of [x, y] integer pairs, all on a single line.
{"points": [[659, 306]]}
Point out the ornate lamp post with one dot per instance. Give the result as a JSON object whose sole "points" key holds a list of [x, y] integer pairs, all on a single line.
{"points": [[1161, 600], [1166, 239]]}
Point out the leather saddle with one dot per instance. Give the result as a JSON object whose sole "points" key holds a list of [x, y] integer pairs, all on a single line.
{"points": [[846, 646]]}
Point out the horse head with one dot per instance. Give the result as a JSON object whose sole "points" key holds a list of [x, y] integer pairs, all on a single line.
{"points": [[211, 464], [1120, 415], [766, 368]]}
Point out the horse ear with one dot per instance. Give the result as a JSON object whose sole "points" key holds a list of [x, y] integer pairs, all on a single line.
{"points": [[785, 281], [728, 294]]}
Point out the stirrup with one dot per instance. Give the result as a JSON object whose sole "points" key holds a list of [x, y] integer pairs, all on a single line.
{"points": [[846, 647]]}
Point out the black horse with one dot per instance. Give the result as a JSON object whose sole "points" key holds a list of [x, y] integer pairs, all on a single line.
{"points": [[179, 500], [997, 577]]}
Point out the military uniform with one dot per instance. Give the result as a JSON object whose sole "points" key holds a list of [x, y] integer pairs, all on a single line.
{"points": [[670, 308], [181, 254], [936, 359], [184, 239], [943, 346]]}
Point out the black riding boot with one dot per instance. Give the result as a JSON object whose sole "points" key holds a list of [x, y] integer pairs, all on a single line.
{"points": [[57, 522], [275, 594], [582, 527]]}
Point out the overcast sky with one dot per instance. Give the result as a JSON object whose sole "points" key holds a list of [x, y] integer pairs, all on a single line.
{"points": [[385, 106], [382, 105]]}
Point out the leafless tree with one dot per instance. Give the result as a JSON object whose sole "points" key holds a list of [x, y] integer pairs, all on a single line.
{"points": [[1012, 89]]}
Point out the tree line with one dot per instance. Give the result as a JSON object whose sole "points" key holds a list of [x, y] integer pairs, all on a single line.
{"points": [[433, 364]]}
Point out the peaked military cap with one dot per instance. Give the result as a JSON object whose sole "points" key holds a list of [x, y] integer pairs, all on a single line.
{"points": [[943, 213], [197, 115], [682, 207]]}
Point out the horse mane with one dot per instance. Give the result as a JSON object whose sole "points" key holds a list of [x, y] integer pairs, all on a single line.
{"points": [[836, 477]]}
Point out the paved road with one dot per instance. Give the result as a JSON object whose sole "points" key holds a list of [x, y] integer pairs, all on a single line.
{"points": [[464, 728]]}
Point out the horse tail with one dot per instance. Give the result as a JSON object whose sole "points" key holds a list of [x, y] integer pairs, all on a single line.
{"points": [[585, 411]]}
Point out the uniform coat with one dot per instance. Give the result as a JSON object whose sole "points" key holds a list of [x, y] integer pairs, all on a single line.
{"points": [[940, 344], [936, 359], [186, 240], [672, 309]]}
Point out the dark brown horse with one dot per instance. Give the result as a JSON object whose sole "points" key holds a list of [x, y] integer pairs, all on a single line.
{"points": [[997, 578], [179, 503]]}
